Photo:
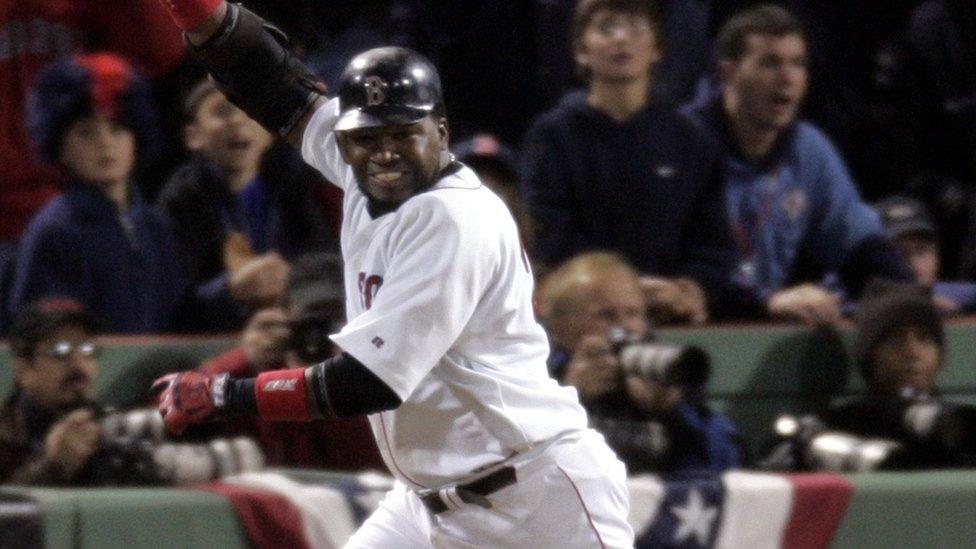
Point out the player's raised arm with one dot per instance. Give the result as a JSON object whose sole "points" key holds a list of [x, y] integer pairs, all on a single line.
{"points": [[247, 58], [338, 387]]}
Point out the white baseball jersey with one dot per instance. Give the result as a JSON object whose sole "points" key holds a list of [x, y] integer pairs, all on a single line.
{"points": [[439, 303]]}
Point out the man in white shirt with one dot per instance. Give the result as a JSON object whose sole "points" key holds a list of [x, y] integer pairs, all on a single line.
{"points": [[441, 348]]}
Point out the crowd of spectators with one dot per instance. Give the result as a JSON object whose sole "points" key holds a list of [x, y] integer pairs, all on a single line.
{"points": [[668, 162], [696, 139]]}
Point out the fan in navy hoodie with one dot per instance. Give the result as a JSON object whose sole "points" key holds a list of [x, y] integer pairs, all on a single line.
{"points": [[99, 242], [611, 168]]}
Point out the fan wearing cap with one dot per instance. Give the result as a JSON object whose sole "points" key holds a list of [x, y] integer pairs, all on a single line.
{"points": [[899, 348], [99, 242], [47, 430], [497, 167], [441, 348], [908, 224]]}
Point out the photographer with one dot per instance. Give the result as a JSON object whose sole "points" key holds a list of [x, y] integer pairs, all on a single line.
{"points": [[901, 423], [288, 337], [48, 432], [900, 349], [52, 432], [644, 397]]}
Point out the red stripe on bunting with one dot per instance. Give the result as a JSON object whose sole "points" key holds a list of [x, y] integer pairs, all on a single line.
{"points": [[269, 519], [819, 502]]}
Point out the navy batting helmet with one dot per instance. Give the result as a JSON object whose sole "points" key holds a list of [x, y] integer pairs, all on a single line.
{"points": [[388, 86]]}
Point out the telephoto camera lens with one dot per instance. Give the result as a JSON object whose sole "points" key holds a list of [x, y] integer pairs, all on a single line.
{"points": [[809, 445], [181, 463], [686, 366], [844, 453], [134, 424], [134, 453]]}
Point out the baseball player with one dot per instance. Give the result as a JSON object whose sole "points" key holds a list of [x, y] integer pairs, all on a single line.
{"points": [[441, 349]]}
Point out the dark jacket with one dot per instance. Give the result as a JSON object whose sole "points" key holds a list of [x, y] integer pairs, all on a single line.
{"points": [[949, 443], [23, 428], [690, 437], [923, 126], [649, 188], [122, 268], [278, 213]]}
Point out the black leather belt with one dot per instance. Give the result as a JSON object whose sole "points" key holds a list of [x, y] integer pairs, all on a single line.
{"points": [[472, 493]]}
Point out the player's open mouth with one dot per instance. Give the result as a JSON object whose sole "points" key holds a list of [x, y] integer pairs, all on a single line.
{"points": [[387, 178]]}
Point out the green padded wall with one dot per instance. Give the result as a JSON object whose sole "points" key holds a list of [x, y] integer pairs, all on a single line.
{"points": [[758, 372], [130, 364]]}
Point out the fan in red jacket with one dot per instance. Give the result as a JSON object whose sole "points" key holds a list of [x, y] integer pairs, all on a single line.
{"points": [[337, 444]]}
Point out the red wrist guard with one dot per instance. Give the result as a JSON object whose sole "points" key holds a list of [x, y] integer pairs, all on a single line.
{"points": [[281, 395], [188, 14]]}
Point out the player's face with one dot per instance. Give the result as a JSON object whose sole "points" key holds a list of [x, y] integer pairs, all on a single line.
{"points": [[618, 46], [907, 357], [768, 83], [393, 163], [62, 370], [99, 151], [224, 134]]}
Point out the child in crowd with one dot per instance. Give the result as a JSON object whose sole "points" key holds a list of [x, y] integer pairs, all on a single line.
{"points": [[909, 226], [99, 242]]}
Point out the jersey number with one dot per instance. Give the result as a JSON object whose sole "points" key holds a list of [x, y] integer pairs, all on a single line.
{"points": [[368, 286]]}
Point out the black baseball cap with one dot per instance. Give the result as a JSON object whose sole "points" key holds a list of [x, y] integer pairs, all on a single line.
{"points": [[315, 280], [485, 149], [902, 216], [39, 319]]}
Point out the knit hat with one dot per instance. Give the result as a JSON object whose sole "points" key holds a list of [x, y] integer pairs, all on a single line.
{"points": [[886, 306], [84, 85]]}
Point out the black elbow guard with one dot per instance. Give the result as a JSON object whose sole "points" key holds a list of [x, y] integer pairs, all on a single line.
{"points": [[249, 62], [344, 387]]}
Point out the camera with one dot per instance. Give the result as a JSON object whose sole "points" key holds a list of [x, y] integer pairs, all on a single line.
{"points": [[687, 366], [807, 444], [310, 334], [929, 419], [133, 452]]}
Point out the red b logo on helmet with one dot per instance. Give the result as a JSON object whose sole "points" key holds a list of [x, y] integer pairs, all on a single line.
{"points": [[374, 90]]}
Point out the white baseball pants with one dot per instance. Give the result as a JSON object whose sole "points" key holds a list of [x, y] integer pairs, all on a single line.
{"points": [[571, 495]]}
